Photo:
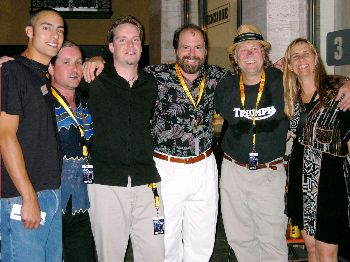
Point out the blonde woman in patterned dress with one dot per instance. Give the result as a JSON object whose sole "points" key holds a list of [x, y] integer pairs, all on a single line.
{"points": [[318, 190]]}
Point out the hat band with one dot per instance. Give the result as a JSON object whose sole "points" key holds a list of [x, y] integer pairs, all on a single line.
{"points": [[246, 37]]}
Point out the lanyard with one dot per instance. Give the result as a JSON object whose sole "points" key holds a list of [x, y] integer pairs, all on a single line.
{"points": [[242, 94], [187, 91], [153, 186], [70, 113]]}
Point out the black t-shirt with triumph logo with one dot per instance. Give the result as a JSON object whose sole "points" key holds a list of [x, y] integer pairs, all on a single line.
{"points": [[26, 93], [271, 122]]}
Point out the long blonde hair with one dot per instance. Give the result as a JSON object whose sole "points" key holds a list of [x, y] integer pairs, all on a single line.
{"points": [[292, 86]]}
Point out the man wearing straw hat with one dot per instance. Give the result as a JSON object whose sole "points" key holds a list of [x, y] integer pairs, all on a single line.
{"points": [[253, 176]]}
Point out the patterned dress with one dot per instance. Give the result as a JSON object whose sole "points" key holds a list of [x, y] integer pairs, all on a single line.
{"points": [[318, 189]]}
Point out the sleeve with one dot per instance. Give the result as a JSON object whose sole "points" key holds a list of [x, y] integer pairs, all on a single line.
{"points": [[223, 88], [344, 121], [147, 69], [11, 94], [156, 70], [83, 90], [223, 73], [218, 96]]}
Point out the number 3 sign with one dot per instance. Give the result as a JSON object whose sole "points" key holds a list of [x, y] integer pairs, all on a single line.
{"points": [[338, 47]]}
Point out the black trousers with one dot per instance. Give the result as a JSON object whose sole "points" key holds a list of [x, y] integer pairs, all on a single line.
{"points": [[78, 241]]}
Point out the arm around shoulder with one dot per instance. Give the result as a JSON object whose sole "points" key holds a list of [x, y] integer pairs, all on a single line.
{"points": [[344, 96], [93, 67]]}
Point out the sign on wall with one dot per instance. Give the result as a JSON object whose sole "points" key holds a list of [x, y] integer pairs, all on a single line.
{"points": [[338, 47], [218, 15]]}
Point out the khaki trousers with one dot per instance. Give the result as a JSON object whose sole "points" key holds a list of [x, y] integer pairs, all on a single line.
{"points": [[119, 212], [252, 205]]}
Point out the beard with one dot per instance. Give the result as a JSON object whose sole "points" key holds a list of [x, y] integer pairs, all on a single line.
{"points": [[190, 69]]}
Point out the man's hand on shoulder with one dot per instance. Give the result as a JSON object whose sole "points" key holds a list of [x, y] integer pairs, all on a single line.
{"points": [[279, 64], [344, 96], [4, 59], [93, 67]]}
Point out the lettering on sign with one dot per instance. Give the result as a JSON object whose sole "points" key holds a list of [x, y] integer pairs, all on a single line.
{"points": [[218, 15]]}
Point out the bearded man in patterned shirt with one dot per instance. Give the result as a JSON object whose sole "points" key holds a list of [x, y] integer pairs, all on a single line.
{"points": [[182, 132]]}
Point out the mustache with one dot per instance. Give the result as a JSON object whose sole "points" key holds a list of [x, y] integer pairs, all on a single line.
{"points": [[191, 58]]}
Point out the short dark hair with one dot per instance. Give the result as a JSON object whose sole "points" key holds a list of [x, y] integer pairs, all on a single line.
{"points": [[124, 20], [66, 43], [185, 27], [36, 13]]}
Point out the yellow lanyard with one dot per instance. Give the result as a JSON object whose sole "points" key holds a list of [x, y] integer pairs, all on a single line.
{"points": [[153, 186], [242, 94], [70, 113], [187, 91]]}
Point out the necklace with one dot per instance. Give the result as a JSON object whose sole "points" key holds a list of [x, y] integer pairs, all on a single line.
{"points": [[132, 79]]}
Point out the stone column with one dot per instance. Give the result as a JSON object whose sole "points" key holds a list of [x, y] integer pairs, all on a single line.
{"points": [[166, 16]]}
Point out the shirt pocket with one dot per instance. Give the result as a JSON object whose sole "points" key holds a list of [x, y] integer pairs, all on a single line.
{"points": [[324, 134]]}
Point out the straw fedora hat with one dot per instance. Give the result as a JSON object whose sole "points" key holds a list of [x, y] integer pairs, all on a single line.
{"points": [[248, 33]]}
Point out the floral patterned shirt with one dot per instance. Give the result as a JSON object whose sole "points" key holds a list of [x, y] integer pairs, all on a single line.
{"points": [[176, 126]]}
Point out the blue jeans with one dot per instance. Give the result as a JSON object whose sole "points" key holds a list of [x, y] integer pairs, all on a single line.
{"points": [[39, 245]]}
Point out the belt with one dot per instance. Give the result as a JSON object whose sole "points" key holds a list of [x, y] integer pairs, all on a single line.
{"points": [[188, 160], [271, 164]]}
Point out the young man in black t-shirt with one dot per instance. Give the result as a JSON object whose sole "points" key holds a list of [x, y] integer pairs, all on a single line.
{"points": [[31, 167]]}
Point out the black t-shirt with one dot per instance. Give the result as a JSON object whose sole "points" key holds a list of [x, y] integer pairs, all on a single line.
{"points": [[271, 123], [26, 93], [123, 144]]}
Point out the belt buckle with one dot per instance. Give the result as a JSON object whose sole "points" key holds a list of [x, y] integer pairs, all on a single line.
{"points": [[187, 160]]}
